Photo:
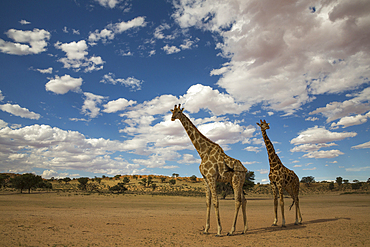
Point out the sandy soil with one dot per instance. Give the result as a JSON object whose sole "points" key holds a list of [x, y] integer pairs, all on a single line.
{"points": [[51, 219]]}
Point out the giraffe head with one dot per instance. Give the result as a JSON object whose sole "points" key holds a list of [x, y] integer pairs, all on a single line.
{"points": [[176, 112], [263, 125]]}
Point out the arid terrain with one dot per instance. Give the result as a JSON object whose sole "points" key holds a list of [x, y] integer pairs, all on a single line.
{"points": [[78, 219]]}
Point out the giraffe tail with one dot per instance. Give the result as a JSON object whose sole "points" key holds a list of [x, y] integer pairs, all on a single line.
{"points": [[292, 205]]}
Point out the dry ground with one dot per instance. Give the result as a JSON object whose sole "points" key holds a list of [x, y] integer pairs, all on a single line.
{"points": [[71, 219]]}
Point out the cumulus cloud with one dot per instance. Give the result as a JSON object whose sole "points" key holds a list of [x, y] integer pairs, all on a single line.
{"points": [[351, 120], [109, 32], [335, 110], [24, 22], [204, 97], [90, 107], [130, 82], [117, 105], [108, 3], [25, 42], [363, 145], [64, 84], [315, 138], [283, 54], [76, 56], [45, 71], [170, 49], [55, 149], [317, 135], [323, 154], [16, 110]]}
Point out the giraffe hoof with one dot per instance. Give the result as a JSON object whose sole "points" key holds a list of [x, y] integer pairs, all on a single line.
{"points": [[218, 235], [274, 225], [229, 234], [283, 226]]}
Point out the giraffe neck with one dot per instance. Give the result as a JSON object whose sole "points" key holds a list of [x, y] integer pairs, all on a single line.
{"points": [[273, 157], [198, 139]]}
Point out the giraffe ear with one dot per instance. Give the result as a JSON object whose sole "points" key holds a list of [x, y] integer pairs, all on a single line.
{"points": [[258, 124], [181, 109], [171, 110]]}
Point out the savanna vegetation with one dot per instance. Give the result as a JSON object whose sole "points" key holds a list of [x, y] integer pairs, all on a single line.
{"points": [[164, 185]]}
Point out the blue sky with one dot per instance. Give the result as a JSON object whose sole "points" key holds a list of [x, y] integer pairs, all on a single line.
{"points": [[87, 86]]}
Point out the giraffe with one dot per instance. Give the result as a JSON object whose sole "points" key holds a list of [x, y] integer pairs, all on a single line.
{"points": [[215, 166], [281, 178]]}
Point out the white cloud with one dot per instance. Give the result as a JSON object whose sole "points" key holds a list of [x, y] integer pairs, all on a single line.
{"points": [[204, 97], [253, 149], [312, 119], [16, 110], [109, 32], [171, 49], [131, 82], [117, 105], [45, 71], [108, 3], [158, 32], [26, 42], [351, 120], [76, 59], [363, 145], [317, 134], [311, 147], [358, 169], [54, 149], [61, 85], [1, 96], [24, 22], [282, 55], [90, 107], [189, 159], [323, 154]]}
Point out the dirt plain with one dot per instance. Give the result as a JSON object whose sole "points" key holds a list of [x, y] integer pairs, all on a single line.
{"points": [[76, 219]]}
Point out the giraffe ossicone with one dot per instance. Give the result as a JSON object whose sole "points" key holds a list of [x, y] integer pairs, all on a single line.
{"points": [[215, 166], [281, 178]]}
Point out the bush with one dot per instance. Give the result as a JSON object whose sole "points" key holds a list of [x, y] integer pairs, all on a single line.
{"points": [[331, 185], [119, 188], [83, 183]]}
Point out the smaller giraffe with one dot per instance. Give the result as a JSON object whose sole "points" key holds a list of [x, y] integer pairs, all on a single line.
{"points": [[281, 178]]}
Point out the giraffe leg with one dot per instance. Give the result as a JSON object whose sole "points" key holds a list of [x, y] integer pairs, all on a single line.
{"points": [[238, 203], [212, 186], [244, 209], [208, 203], [297, 213], [275, 203], [282, 204]]}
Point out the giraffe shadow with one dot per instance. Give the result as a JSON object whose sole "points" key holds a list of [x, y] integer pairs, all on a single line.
{"points": [[290, 227]]}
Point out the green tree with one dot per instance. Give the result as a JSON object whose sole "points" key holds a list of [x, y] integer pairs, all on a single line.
{"points": [[3, 180], [175, 175], [163, 179], [143, 182], [66, 179], [149, 181], [331, 185], [26, 181], [193, 178], [82, 183], [339, 181], [119, 188], [126, 180], [308, 180], [249, 180], [117, 176], [172, 181]]}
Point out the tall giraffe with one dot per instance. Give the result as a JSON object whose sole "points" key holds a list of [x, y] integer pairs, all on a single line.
{"points": [[215, 166], [281, 178]]}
